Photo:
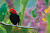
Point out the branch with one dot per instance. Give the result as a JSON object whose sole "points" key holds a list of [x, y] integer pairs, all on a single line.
{"points": [[18, 26], [45, 12]]}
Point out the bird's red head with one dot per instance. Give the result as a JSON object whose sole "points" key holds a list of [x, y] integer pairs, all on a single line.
{"points": [[13, 11]]}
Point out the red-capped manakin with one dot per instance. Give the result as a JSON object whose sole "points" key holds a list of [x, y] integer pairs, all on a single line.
{"points": [[14, 17]]}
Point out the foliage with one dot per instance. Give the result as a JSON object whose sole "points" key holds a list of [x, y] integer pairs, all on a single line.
{"points": [[48, 22], [8, 29], [2, 30], [31, 14], [23, 5], [20, 30], [34, 14], [3, 11], [46, 2]]}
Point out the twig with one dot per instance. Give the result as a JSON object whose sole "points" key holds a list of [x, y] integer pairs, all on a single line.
{"points": [[18, 26], [45, 12]]}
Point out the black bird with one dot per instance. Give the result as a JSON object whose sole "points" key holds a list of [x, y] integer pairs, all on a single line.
{"points": [[14, 17]]}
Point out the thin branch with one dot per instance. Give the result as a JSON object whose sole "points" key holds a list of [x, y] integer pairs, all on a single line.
{"points": [[18, 26], [45, 12]]}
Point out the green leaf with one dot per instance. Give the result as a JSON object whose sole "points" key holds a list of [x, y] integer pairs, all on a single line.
{"points": [[47, 2], [2, 30], [23, 6], [8, 28], [33, 13], [48, 18], [3, 11], [48, 21], [17, 5], [22, 30]]}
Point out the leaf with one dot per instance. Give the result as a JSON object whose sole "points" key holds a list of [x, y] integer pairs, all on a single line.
{"points": [[2, 30], [33, 13], [3, 11], [48, 18], [21, 14], [17, 5], [48, 21], [22, 30], [23, 6], [8, 28], [25, 30], [47, 2]]}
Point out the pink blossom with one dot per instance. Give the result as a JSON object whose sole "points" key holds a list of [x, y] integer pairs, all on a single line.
{"points": [[13, 6], [8, 4], [31, 18], [28, 16], [30, 10], [37, 3], [25, 21], [33, 21], [25, 9], [41, 1], [26, 13], [41, 32], [42, 25]]}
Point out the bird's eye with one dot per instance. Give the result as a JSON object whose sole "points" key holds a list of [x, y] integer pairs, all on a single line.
{"points": [[12, 10]]}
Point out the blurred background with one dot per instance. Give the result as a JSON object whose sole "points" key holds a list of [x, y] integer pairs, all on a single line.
{"points": [[32, 13]]}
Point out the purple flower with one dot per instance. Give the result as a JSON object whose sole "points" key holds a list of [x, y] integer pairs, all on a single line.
{"points": [[33, 21], [13, 6], [30, 10], [42, 25], [41, 32], [37, 3], [31, 18], [26, 13]]}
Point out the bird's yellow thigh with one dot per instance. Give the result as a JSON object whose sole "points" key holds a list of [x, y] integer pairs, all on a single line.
{"points": [[11, 23], [17, 23]]}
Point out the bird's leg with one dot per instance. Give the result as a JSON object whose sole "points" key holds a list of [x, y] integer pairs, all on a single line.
{"points": [[18, 27], [17, 23], [11, 23]]}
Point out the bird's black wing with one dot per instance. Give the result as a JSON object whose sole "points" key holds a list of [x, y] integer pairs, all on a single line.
{"points": [[14, 19], [18, 18]]}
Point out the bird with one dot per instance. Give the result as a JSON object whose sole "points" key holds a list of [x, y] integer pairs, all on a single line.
{"points": [[14, 17]]}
